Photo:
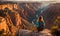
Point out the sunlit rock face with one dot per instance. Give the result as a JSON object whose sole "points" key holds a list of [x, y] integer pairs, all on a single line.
{"points": [[14, 15], [3, 24], [12, 18]]}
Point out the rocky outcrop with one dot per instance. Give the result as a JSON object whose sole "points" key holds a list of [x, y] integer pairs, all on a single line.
{"points": [[45, 32], [3, 26]]}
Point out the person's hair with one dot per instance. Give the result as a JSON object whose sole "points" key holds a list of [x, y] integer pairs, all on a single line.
{"points": [[40, 18]]}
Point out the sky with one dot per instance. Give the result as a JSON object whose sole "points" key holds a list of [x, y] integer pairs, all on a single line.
{"points": [[58, 1], [28, 0], [25, 0]]}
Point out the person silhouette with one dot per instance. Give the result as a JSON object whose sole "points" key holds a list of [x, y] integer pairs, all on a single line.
{"points": [[40, 24]]}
